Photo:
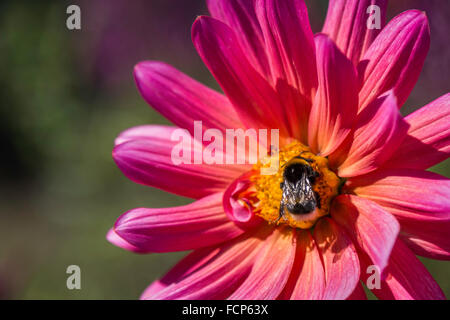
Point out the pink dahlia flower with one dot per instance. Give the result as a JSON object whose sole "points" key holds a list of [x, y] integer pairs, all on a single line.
{"points": [[335, 98]]}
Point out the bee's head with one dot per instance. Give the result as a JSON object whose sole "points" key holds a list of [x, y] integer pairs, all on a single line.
{"points": [[297, 170]]}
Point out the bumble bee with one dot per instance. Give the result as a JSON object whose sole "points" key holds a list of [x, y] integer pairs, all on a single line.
{"points": [[298, 196]]}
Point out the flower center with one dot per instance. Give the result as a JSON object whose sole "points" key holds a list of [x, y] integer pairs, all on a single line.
{"points": [[300, 192]]}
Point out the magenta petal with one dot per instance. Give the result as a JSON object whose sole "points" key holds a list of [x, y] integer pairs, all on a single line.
{"points": [[188, 265], [149, 161], [307, 279], [407, 278], [183, 100], [334, 110], [240, 16], [210, 273], [253, 97], [395, 58], [200, 224], [369, 225], [379, 132], [425, 221], [289, 43], [340, 260], [290, 49], [151, 132], [272, 267], [118, 241], [346, 24], [428, 139], [358, 293]]}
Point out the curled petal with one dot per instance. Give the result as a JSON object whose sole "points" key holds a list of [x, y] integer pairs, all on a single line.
{"points": [[272, 267], [425, 221], [183, 100], [339, 258], [334, 109], [369, 225], [395, 58], [428, 139], [237, 201], [379, 131], [196, 225], [346, 23]]}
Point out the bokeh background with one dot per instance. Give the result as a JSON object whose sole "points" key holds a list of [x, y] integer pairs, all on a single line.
{"points": [[65, 95]]}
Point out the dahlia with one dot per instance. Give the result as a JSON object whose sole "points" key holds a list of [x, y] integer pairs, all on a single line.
{"points": [[335, 99]]}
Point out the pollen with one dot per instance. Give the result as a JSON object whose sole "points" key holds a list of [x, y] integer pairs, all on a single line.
{"points": [[269, 192]]}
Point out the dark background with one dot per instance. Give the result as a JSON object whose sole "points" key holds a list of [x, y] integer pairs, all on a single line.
{"points": [[65, 95]]}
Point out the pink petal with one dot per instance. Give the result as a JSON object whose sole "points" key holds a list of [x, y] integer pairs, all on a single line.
{"points": [[334, 110], [272, 267], [240, 16], [428, 139], [151, 132], [420, 202], [183, 100], [210, 273], [358, 293], [255, 100], [346, 24], [291, 52], [196, 225], [188, 265], [118, 241], [407, 278], [307, 279], [369, 225], [149, 162], [340, 260], [427, 240], [379, 132], [395, 58]]}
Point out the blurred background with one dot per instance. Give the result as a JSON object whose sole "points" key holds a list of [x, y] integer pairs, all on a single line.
{"points": [[65, 95]]}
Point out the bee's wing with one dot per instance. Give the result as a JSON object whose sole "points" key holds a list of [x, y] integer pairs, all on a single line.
{"points": [[305, 190]]}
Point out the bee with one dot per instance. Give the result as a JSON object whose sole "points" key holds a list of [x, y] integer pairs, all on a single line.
{"points": [[298, 196]]}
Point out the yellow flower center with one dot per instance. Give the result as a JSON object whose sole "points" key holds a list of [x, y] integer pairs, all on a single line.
{"points": [[272, 194]]}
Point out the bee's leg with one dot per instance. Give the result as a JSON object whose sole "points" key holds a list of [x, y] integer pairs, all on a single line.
{"points": [[281, 214]]}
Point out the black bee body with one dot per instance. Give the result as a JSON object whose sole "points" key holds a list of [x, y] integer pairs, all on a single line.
{"points": [[298, 196]]}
